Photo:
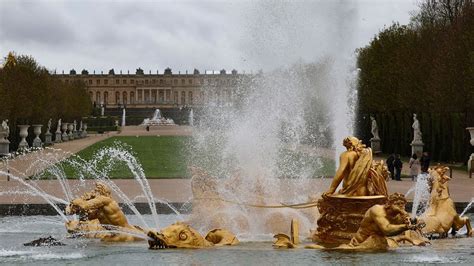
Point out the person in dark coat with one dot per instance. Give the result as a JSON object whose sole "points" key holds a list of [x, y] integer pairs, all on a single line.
{"points": [[425, 162], [390, 166], [397, 164]]}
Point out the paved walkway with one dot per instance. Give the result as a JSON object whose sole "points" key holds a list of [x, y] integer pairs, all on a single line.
{"points": [[173, 190]]}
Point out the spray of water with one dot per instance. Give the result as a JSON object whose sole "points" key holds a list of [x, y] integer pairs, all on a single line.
{"points": [[422, 195], [302, 100]]}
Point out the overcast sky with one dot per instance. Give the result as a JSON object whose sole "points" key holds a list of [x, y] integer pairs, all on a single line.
{"points": [[183, 35]]}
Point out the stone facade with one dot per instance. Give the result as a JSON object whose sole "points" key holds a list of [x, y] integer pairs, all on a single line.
{"points": [[141, 90]]}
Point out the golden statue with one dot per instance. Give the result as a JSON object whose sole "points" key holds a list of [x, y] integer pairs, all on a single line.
{"points": [[363, 186], [98, 211], [441, 215], [181, 235], [379, 223], [359, 174]]}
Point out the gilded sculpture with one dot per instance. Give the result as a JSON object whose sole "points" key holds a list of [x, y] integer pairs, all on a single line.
{"points": [[363, 186], [379, 224], [360, 176], [98, 213], [181, 235], [441, 215]]}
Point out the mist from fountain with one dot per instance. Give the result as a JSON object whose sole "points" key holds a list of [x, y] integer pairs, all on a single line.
{"points": [[255, 146]]}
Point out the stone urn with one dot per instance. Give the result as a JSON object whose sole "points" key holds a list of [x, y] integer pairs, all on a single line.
{"points": [[23, 134], [64, 129], [470, 166], [70, 127], [37, 143]]}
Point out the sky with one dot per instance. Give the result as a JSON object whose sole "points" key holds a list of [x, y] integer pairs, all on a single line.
{"points": [[184, 34]]}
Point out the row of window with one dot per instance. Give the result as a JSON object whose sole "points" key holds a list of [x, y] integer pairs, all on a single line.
{"points": [[147, 98], [227, 82]]}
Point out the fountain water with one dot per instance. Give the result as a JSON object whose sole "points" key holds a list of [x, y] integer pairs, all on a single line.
{"points": [[158, 120], [301, 102], [191, 117], [123, 117], [422, 194]]}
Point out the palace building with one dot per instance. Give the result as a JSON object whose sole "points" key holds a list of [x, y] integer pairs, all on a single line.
{"points": [[166, 90]]}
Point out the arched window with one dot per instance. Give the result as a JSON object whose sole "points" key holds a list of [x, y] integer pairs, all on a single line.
{"points": [[106, 97], [117, 97], [124, 97], [97, 97], [132, 97]]}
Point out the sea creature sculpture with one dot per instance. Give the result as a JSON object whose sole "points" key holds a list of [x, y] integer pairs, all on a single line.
{"points": [[181, 235], [441, 215]]}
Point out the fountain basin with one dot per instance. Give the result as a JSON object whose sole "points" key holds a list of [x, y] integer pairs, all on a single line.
{"points": [[16, 230]]}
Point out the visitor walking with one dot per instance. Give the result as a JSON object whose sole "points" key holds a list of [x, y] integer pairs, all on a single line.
{"points": [[390, 167], [397, 164], [425, 162], [414, 164]]}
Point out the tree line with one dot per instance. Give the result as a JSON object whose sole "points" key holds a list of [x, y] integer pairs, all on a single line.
{"points": [[424, 67], [31, 95]]}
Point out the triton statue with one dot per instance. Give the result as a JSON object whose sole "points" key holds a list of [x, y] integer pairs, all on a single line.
{"points": [[100, 213]]}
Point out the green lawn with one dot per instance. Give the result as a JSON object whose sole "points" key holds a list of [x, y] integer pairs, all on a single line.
{"points": [[168, 157], [160, 157]]}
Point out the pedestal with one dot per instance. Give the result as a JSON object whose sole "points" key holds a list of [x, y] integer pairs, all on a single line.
{"points": [[48, 138], [417, 148], [375, 145], [341, 217], [4, 144], [79, 134], [57, 137]]}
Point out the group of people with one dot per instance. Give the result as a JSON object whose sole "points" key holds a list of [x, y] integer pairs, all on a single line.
{"points": [[395, 165]]}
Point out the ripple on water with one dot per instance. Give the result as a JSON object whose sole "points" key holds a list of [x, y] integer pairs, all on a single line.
{"points": [[34, 255]]}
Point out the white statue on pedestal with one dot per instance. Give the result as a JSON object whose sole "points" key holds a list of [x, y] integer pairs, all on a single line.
{"points": [[58, 130], [375, 128], [5, 127], [416, 130], [50, 121]]}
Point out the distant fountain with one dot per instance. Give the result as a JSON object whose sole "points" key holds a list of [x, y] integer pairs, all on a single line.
{"points": [[158, 120]]}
